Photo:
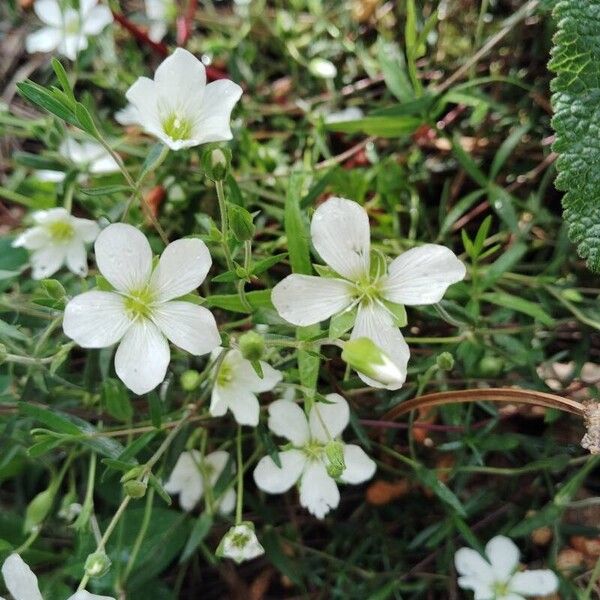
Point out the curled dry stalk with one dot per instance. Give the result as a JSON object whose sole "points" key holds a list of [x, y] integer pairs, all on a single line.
{"points": [[588, 411]]}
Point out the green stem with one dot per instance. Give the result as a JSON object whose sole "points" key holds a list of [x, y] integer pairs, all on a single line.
{"points": [[240, 478], [224, 224]]}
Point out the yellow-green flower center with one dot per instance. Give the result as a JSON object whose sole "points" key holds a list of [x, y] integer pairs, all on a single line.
{"points": [[239, 540], [313, 450], [72, 25], [138, 304], [177, 127], [367, 289], [500, 589], [61, 231], [225, 375]]}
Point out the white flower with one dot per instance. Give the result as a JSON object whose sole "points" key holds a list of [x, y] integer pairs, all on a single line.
{"points": [[159, 13], [129, 115], [179, 108], [352, 113], [143, 311], [58, 238], [497, 577], [236, 385], [67, 31], [86, 156], [23, 584], [240, 543], [340, 234], [309, 461], [192, 475]]}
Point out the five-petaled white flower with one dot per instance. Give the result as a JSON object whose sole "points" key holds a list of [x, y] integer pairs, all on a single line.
{"points": [[236, 385], [497, 577], [58, 238], [312, 460], [240, 543], [143, 311], [67, 31], [23, 584], [192, 475], [340, 234], [86, 156], [179, 108]]}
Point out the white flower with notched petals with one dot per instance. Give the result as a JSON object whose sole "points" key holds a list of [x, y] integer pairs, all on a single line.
{"points": [[309, 461], [179, 108], [58, 238], [90, 157], [67, 31], [143, 311], [497, 577], [160, 13], [240, 543], [340, 234], [22, 583], [236, 385], [193, 474]]}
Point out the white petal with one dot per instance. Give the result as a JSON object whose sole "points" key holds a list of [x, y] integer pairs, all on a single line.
{"points": [[244, 375], [327, 421], [189, 326], [242, 403], [142, 95], [96, 319], [20, 579], [51, 215], [288, 420], [51, 176], [104, 164], [180, 82], [45, 39], [359, 467], [318, 491], [481, 589], [46, 261], [181, 269], [340, 234], [96, 20], [305, 300], [72, 44], [227, 502], [472, 565], [83, 595], [129, 115], [274, 480], [77, 258], [422, 275], [48, 11], [534, 583], [157, 31], [503, 555], [33, 239], [186, 480], [86, 230], [142, 357], [219, 99], [217, 461], [218, 404], [375, 323], [124, 257]]}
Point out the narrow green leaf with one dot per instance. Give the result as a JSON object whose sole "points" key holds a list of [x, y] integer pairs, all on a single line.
{"points": [[43, 98], [520, 305]]}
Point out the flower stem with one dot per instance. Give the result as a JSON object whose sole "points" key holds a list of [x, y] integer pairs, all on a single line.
{"points": [[224, 224], [240, 478]]}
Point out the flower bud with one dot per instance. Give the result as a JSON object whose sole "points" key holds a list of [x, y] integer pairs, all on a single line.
{"points": [[369, 359], [445, 361], [216, 161], [334, 451], [252, 346], [190, 380], [135, 488], [240, 543], [97, 564], [240, 221], [54, 289]]}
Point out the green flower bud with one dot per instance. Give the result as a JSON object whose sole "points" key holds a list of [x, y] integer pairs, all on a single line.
{"points": [[190, 380], [54, 289], [445, 361], [38, 509], [252, 345], [135, 488], [240, 221], [97, 564], [216, 161], [369, 359], [491, 366], [334, 451]]}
